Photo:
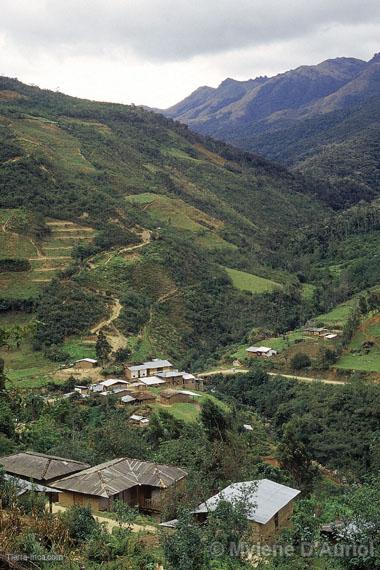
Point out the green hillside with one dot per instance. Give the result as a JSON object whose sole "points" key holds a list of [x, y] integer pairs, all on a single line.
{"points": [[118, 219]]}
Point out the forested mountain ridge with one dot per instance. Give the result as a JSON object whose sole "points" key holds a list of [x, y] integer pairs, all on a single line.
{"points": [[322, 120]]}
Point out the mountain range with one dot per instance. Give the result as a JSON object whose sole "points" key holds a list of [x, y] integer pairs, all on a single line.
{"points": [[321, 120]]}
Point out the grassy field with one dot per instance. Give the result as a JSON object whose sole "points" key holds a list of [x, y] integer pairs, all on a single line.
{"points": [[249, 282], [180, 215], [367, 363], [26, 368], [338, 316], [77, 349], [356, 357], [55, 143], [189, 412]]}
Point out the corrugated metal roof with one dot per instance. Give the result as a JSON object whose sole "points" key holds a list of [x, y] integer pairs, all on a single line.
{"points": [[266, 497], [92, 360], [39, 466], [155, 363], [152, 381], [112, 477], [23, 486], [112, 382], [128, 399], [259, 349]]}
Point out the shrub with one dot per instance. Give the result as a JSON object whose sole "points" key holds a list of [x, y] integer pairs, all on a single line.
{"points": [[80, 523], [300, 360]]}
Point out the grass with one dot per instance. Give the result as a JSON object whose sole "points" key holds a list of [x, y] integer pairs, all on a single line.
{"points": [[363, 362], [249, 282], [338, 316], [356, 359], [26, 368], [189, 412], [180, 215], [77, 349], [55, 143]]}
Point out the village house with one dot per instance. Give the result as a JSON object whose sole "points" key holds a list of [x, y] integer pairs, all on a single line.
{"points": [[269, 506], [137, 483], [170, 396], [140, 421], [261, 351], [144, 397], [86, 363], [128, 399], [110, 385], [174, 378], [39, 467], [152, 368]]}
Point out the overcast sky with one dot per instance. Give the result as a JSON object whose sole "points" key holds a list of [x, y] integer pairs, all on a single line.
{"points": [[155, 52]]}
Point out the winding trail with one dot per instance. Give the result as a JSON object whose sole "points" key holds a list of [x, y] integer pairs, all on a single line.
{"points": [[116, 308], [234, 371]]}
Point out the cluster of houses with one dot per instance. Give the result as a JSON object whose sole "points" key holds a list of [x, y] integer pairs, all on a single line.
{"points": [[322, 332], [134, 388], [143, 484]]}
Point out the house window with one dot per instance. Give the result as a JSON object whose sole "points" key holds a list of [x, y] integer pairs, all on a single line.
{"points": [[276, 523]]}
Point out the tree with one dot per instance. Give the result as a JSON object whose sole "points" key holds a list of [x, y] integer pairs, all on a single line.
{"points": [[326, 357], [295, 457], [214, 420], [122, 355], [3, 378], [102, 347], [300, 360]]}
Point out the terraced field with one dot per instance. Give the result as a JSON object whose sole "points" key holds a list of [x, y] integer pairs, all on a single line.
{"points": [[46, 258]]}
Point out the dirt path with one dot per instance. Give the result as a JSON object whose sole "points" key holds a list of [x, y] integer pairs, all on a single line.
{"points": [[233, 371], [114, 314]]}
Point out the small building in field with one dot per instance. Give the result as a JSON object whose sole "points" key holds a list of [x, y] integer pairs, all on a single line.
{"points": [[261, 351], [86, 363], [140, 421], [316, 331], [39, 467], [170, 396], [151, 368], [128, 399], [269, 506], [137, 483]]}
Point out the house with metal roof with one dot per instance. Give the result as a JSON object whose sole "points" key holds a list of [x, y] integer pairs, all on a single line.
{"points": [[269, 506], [86, 363], [260, 351], [39, 467], [151, 368], [138, 483], [21, 487]]}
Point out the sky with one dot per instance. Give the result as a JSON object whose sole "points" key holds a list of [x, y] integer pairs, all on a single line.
{"points": [[156, 52]]}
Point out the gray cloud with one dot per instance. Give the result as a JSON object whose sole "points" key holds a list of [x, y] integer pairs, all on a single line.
{"points": [[172, 30]]}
